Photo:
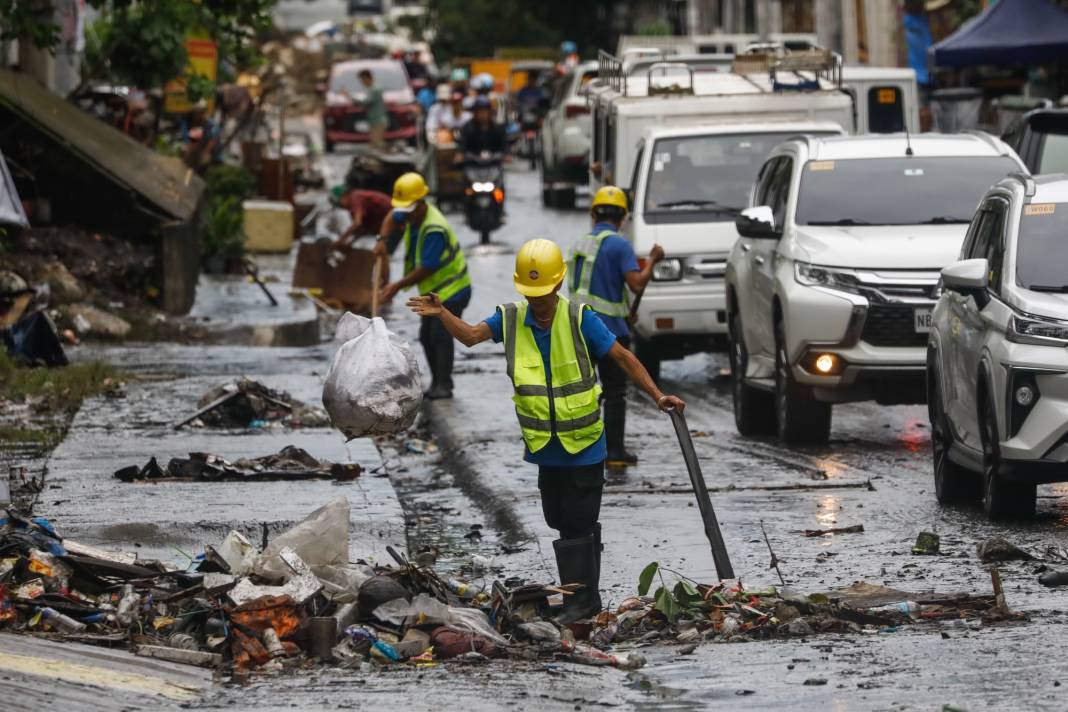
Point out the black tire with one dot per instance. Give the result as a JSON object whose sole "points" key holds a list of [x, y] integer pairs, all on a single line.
{"points": [[800, 419], [1001, 499], [953, 484], [754, 409], [565, 198], [484, 237], [649, 355]]}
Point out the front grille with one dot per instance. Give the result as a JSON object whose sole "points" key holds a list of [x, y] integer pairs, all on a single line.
{"points": [[892, 326], [348, 123]]}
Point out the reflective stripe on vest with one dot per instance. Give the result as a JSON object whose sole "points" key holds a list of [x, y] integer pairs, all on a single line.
{"points": [[572, 386], [588, 248], [451, 277]]}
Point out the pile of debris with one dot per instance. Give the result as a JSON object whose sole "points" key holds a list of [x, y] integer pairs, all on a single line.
{"points": [[728, 612], [289, 464], [250, 404], [297, 602]]}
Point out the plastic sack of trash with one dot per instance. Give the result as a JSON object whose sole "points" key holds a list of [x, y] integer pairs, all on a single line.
{"points": [[373, 386], [322, 539]]}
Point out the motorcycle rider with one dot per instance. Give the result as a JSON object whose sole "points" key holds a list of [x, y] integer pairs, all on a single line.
{"points": [[481, 134]]}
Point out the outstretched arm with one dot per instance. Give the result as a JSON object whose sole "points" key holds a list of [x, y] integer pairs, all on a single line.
{"points": [[466, 334], [637, 373], [637, 279]]}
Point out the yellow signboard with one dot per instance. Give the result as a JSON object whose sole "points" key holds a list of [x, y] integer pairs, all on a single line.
{"points": [[204, 62]]}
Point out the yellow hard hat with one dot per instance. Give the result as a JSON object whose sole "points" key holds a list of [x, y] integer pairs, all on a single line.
{"points": [[409, 189], [610, 195], [539, 267]]}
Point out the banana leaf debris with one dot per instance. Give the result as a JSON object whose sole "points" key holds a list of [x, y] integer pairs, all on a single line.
{"points": [[246, 403]]}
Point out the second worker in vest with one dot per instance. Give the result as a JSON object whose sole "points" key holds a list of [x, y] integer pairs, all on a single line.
{"points": [[550, 347], [433, 262], [603, 268]]}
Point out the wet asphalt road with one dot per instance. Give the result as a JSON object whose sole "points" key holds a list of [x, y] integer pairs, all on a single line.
{"points": [[433, 499], [648, 515]]}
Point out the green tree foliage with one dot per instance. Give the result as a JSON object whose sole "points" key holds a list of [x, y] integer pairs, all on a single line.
{"points": [[142, 42]]}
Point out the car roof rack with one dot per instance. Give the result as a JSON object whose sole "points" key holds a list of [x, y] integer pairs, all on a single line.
{"points": [[610, 71], [1027, 181]]}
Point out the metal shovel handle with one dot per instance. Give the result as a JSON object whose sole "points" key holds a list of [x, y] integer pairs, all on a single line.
{"points": [[704, 503]]}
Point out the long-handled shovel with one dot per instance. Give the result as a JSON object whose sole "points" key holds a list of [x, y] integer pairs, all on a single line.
{"points": [[715, 537], [376, 277]]}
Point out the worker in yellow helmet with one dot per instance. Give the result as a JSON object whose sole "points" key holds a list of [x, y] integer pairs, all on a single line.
{"points": [[551, 346], [433, 262], [603, 269]]}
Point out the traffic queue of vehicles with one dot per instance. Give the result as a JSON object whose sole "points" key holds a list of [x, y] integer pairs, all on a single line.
{"points": [[811, 232]]}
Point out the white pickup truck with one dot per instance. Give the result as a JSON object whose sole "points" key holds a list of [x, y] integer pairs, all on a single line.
{"points": [[688, 144]]}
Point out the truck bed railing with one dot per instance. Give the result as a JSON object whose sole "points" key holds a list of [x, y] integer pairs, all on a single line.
{"points": [[610, 71]]}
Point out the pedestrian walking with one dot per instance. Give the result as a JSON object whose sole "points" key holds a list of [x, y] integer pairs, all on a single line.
{"points": [[550, 346], [604, 272], [374, 107], [433, 262]]}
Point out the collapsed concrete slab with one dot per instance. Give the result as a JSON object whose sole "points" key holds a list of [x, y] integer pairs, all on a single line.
{"points": [[88, 173]]}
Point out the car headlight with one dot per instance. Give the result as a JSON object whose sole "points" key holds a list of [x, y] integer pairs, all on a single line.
{"points": [[667, 270], [1040, 332], [816, 276]]}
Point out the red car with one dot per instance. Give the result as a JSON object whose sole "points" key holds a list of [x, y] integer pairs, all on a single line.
{"points": [[344, 120]]}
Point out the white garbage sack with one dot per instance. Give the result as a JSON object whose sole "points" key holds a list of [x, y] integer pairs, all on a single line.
{"points": [[373, 386], [322, 539]]}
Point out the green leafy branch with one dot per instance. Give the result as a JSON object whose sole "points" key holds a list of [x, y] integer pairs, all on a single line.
{"points": [[683, 597]]}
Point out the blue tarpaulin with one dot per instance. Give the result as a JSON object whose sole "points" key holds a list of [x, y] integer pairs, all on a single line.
{"points": [[1006, 33]]}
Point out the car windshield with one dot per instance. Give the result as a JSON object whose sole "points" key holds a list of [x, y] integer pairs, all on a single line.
{"points": [[897, 191], [388, 77], [1042, 248], [702, 174], [1054, 154]]}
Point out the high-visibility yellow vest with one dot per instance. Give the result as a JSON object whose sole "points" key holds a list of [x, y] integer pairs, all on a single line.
{"points": [[451, 277], [588, 248], [572, 386]]}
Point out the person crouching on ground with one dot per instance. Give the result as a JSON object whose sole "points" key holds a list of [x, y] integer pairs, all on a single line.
{"points": [[551, 347]]}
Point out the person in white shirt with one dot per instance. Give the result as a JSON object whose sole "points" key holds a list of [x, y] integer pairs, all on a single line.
{"points": [[448, 113]]}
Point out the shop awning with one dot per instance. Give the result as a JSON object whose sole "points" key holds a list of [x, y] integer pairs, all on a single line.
{"points": [[1009, 32]]}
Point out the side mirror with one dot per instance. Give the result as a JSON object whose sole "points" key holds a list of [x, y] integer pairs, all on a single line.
{"points": [[757, 222], [968, 278]]}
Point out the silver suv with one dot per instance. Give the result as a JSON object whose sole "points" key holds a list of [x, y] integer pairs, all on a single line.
{"points": [[997, 360], [831, 283]]}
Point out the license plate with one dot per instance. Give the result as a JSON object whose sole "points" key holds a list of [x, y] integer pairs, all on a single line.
{"points": [[923, 321], [483, 201], [362, 127]]}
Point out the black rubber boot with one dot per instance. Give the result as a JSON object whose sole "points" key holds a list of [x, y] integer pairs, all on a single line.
{"points": [[577, 560], [615, 427]]}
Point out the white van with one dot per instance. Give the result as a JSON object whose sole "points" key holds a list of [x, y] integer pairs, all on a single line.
{"points": [[688, 186], [712, 131], [887, 98]]}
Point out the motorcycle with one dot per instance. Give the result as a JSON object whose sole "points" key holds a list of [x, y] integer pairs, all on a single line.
{"points": [[484, 195], [529, 126]]}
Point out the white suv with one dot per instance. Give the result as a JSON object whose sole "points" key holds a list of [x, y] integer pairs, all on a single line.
{"points": [[998, 353], [565, 138], [831, 284]]}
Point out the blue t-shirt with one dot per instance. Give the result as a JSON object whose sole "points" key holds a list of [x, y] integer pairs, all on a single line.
{"points": [[430, 257], [615, 259], [598, 341]]}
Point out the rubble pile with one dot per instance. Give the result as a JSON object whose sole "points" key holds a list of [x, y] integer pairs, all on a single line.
{"points": [[728, 612], [295, 603], [246, 403]]}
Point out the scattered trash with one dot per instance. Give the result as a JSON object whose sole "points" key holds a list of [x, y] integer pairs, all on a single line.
{"points": [[927, 544], [290, 463], [250, 404], [373, 386], [856, 529], [997, 549]]}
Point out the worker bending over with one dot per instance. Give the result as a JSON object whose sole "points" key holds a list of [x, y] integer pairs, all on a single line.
{"points": [[550, 346]]}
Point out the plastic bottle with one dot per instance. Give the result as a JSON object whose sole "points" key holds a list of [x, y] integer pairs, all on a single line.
{"points": [[183, 641], [60, 622], [273, 643], [904, 608], [126, 613]]}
